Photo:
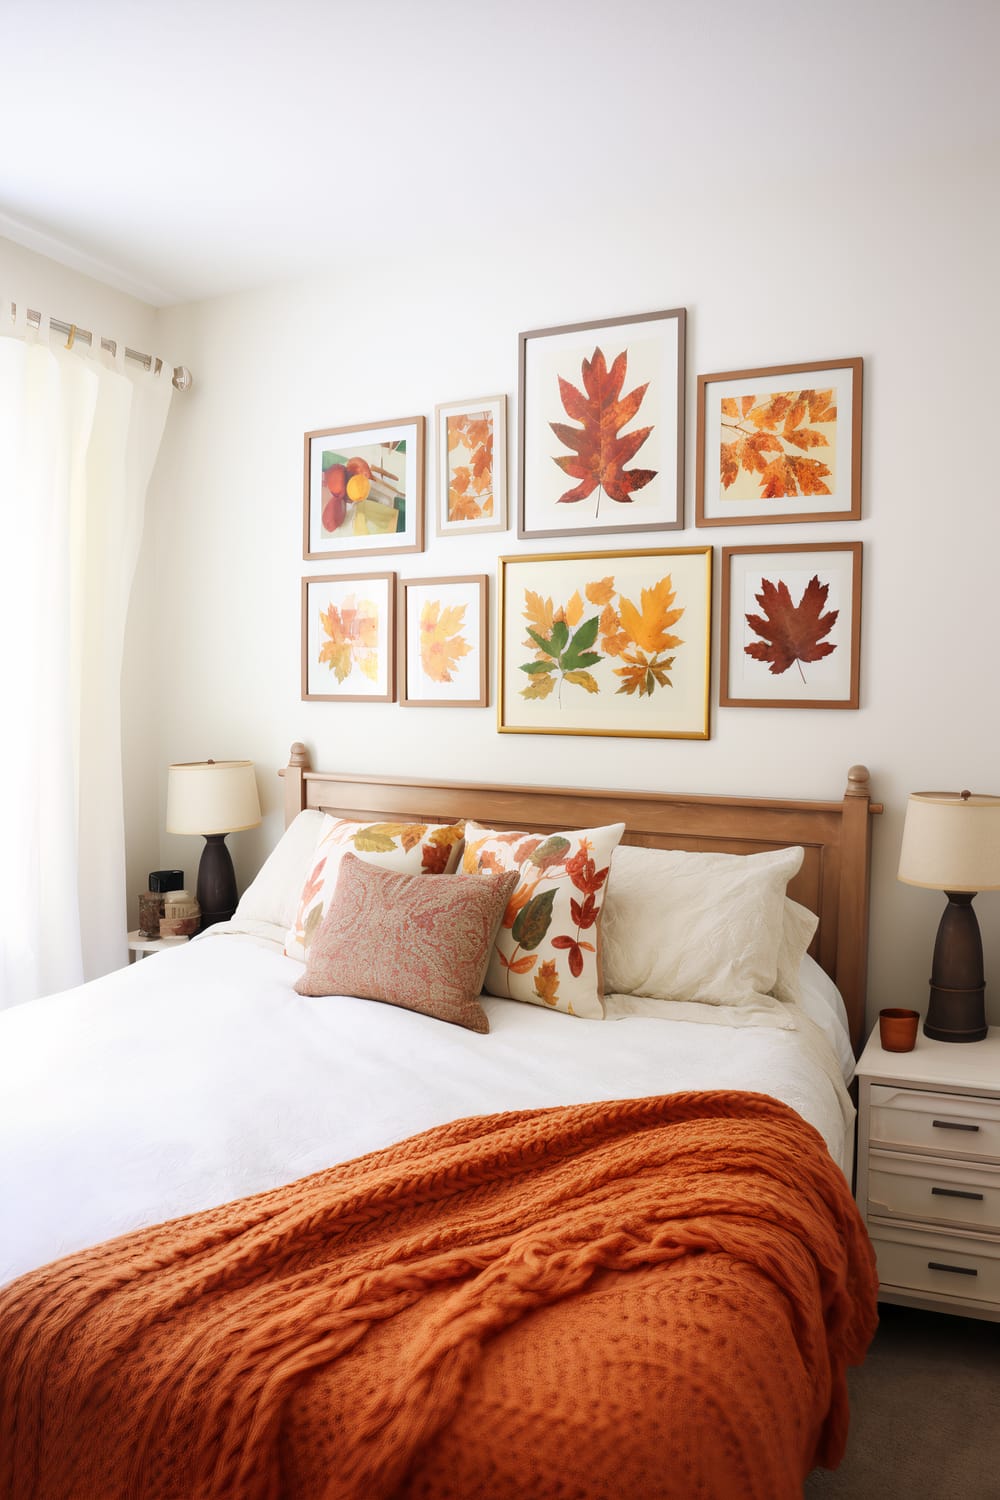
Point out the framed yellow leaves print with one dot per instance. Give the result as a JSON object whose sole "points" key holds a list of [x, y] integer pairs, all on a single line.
{"points": [[608, 643], [471, 466], [601, 431], [443, 642], [779, 444], [349, 638]]}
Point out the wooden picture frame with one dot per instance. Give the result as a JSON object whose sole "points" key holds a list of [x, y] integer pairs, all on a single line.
{"points": [[780, 444], [443, 642], [593, 643], [471, 477], [349, 638], [601, 432], [363, 489], [766, 668]]}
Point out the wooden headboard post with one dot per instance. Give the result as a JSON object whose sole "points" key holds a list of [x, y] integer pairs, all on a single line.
{"points": [[836, 837]]}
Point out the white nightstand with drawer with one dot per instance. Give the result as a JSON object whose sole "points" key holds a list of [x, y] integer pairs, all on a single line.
{"points": [[929, 1172]]}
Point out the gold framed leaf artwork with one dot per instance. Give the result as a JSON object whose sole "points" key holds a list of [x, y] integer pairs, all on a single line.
{"points": [[349, 638], [363, 489], [443, 642], [601, 432], [791, 626], [606, 643], [471, 466], [780, 444]]}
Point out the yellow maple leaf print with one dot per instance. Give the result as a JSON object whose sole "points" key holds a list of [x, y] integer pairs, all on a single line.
{"points": [[351, 633], [442, 645], [649, 626]]}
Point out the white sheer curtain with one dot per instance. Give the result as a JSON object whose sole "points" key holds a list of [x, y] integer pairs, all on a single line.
{"points": [[79, 434]]}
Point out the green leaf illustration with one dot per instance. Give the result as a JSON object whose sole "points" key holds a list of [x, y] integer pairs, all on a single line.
{"points": [[550, 851], [533, 920], [569, 656]]}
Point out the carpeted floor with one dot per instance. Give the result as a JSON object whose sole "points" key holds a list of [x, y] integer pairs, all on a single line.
{"points": [[925, 1413]]}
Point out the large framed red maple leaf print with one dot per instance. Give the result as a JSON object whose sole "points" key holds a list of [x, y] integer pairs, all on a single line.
{"points": [[601, 434], [609, 643], [349, 638], [779, 444], [791, 626]]}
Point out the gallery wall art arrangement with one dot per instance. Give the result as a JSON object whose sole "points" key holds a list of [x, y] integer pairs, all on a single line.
{"points": [[611, 643]]}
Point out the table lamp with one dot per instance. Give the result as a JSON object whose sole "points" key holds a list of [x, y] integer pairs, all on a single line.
{"points": [[213, 798], [951, 843]]}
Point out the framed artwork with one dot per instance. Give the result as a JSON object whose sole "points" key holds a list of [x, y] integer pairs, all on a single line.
{"points": [[349, 638], [364, 489], [609, 643], [471, 466], [443, 642], [791, 626], [601, 436], [780, 444]]}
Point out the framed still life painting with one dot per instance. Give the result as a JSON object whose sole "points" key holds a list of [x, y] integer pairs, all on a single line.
{"points": [[791, 626], [471, 466], [443, 651], [364, 489], [609, 643], [780, 444], [349, 638], [601, 436]]}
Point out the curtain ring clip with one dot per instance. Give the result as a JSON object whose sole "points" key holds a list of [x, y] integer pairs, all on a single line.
{"points": [[72, 337]]}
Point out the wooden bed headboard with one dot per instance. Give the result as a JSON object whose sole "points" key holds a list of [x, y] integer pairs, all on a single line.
{"points": [[836, 836]]}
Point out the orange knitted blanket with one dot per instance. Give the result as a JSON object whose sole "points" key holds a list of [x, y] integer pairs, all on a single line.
{"points": [[644, 1298]]}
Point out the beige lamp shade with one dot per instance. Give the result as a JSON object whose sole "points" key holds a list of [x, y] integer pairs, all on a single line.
{"points": [[951, 841], [212, 796]]}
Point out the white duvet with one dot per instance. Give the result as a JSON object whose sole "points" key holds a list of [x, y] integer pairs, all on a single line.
{"points": [[199, 1076]]}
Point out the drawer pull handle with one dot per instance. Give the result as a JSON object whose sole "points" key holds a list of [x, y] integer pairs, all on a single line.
{"points": [[952, 1125], [956, 1193], [936, 1265]]}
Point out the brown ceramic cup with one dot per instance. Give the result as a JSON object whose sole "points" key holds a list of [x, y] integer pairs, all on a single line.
{"points": [[897, 1029]]}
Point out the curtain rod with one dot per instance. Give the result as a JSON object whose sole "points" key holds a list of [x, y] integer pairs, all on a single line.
{"points": [[180, 380]]}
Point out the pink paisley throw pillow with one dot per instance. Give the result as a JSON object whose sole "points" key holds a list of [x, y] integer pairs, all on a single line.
{"points": [[418, 941]]}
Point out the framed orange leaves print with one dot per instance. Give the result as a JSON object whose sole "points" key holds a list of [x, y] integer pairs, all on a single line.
{"points": [[780, 444], [443, 642], [609, 643], [601, 432], [791, 626], [349, 638], [471, 466]]}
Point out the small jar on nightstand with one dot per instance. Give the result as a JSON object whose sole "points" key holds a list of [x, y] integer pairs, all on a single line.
{"points": [[141, 947], [929, 1172]]}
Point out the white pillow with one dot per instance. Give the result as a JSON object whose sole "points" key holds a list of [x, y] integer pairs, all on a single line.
{"points": [[682, 925], [273, 896], [797, 931]]}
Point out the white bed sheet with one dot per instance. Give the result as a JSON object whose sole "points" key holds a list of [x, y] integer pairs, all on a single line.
{"points": [[199, 1076]]}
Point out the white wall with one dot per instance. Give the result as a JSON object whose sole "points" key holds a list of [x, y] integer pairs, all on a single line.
{"points": [[900, 271]]}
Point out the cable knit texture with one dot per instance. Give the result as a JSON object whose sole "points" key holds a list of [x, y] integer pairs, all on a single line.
{"points": [[644, 1298]]}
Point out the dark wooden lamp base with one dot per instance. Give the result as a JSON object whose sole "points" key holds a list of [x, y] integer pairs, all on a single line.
{"points": [[957, 1009], [216, 893]]}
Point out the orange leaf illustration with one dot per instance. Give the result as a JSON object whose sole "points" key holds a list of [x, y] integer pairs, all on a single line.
{"points": [[547, 982], [763, 429], [648, 627], [351, 637], [793, 633], [600, 449], [441, 645]]}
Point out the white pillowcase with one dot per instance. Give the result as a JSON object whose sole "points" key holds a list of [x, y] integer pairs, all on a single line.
{"points": [[273, 896], [798, 929], [682, 925]]}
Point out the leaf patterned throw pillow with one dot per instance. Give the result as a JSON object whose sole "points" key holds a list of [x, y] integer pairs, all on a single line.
{"points": [[548, 946], [408, 848]]}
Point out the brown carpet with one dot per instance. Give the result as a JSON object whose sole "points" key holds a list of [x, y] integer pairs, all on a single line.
{"points": [[925, 1413]]}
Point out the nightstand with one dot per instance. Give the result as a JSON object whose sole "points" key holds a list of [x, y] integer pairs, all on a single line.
{"points": [[929, 1172], [142, 947]]}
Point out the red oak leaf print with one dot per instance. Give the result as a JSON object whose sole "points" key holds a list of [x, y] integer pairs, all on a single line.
{"points": [[600, 449]]}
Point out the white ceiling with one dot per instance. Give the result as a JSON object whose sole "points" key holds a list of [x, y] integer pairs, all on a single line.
{"points": [[178, 151]]}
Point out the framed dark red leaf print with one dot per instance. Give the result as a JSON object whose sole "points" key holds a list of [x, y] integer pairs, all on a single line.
{"points": [[780, 444], [791, 626], [601, 432]]}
